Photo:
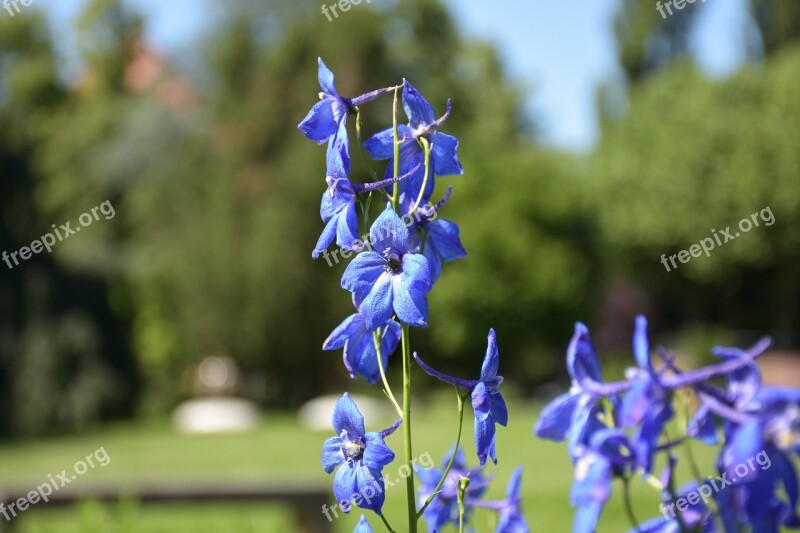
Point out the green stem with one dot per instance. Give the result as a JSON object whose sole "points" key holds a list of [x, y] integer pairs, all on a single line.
{"points": [[628, 507], [396, 161], [452, 457], [410, 499], [386, 523], [387, 389], [426, 147], [463, 483]]}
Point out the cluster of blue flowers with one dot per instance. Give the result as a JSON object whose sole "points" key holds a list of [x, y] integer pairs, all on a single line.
{"points": [[619, 430], [394, 269]]}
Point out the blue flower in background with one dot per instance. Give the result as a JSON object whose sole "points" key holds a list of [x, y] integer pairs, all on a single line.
{"points": [[764, 442], [391, 278], [696, 517], [327, 120], [609, 453], [443, 509], [573, 415], [422, 122], [360, 457], [363, 526], [510, 519], [359, 349], [487, 402], [338, 211], [647, 406]]}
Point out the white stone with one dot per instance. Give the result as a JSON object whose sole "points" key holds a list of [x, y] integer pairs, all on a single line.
{"points": [[215, 414]]}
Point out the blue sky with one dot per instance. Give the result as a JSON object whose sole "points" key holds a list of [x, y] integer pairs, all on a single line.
{"points": [[558, 50]]}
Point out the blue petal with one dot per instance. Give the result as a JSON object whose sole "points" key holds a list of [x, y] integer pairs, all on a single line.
{"points": [[418, 110], [410, 305], [499, 409], [338, 154], [514, 484], [326, 238], [416, 273], [745, 444], [349, 327], [445, 237], [480, 402], [444, 154], [641, 347], [344, 485], [371, 487], [376, 453], [363, 271], [491, 361], [586, 518], [636, 402], [484, 439], [347, 228], [332, 454], [346, 416], [325, 77], [381, 145], [376, 308], [555, 419], [363, 526], [388, 231], [320, 123], [702, 426], [581, 358]]}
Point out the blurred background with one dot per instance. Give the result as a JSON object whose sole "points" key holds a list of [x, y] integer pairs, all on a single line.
{"points": [[595, 137]]}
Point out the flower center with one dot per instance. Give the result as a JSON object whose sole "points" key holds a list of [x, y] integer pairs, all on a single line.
{"points": [[352, 449], [393, 262]]}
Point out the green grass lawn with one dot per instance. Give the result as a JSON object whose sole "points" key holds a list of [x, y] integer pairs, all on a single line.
{"points": [[148, 452]]}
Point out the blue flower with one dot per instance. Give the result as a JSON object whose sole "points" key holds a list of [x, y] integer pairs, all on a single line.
{"points": [[608, 453], [510, 519], [573, 415], [442, 240], [443, 509], [764, 441], [392, 278], [363, 526], [360, 457], [338, 210], [487, 402], [647, 406], [422, 122], [696, 517], [327, 120], [359, 349]]}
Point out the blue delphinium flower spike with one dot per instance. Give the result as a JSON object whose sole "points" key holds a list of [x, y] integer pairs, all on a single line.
{"points": [[327, 120], [360, 457], [510, 518], [647, 406], [363, 526], [422, 122], [443, 509], [765, 442], [573, 415], [391, 277], [359, 349], [608, 453], [487, 402]]}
